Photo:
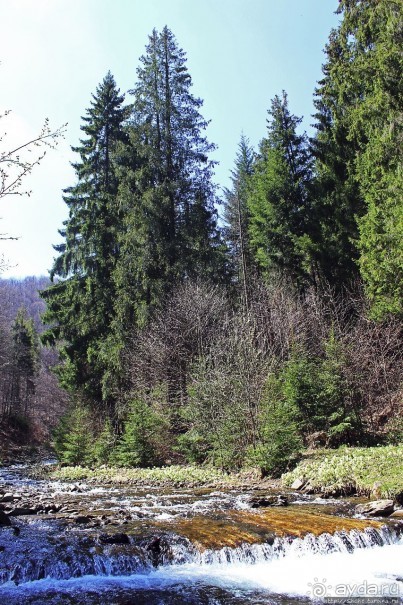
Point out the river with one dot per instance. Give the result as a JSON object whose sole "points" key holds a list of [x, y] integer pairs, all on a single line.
{"points": [[118, 545]]}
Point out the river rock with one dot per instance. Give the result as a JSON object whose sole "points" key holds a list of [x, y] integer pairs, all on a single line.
{"points": [[23, 510], [397, 514], [260, 502], [377, 508], [308, 489], [8, 497], [118, 538], [298, 484], [154, 548], [4, 519], [81, 519]]}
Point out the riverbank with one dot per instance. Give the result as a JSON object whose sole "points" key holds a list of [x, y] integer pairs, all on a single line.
{"points": [[176, 476], [376, 472]]}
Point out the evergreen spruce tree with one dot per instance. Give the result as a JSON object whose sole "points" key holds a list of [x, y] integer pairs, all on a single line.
{"points": [[358, 152], [279, 197], [25, 357], [80, 302], [236, 217], [337, 198], [170, 224]]}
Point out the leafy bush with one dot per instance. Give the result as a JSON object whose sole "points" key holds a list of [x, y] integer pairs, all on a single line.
{"points": [[193, 446]]}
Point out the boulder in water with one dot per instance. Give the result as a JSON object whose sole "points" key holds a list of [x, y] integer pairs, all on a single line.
{"points": [[154, 548], [4, 519], [298, 484], [23, 510], [8, 497], [260, 502], [82, 519], [397, 514], [377, 508], [118, 538]]}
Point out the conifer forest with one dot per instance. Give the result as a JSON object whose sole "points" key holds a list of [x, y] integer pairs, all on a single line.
{"points": [[186, 324]]}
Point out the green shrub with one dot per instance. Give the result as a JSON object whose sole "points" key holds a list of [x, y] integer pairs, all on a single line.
{"points": [[279, 439], [73, 437], [395, 431], [102, 451], [138, 445], [192, 446]]}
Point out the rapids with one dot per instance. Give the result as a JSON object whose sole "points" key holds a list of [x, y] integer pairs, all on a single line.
{"points": [[113, 545]]}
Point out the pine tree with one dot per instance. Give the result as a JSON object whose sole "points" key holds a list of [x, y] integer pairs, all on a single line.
{"points": [[337, 198], [358, 152], [170, 224], [80, 304], [236, 217], [279, 197], [25, 357]]}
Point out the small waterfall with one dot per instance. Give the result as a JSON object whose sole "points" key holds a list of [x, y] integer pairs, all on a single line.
{"points": [[28, 559], [343, 542]]}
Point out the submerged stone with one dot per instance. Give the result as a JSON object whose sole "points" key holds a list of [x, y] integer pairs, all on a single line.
{"points": [[118, 538], [259, 526], [4, 519]]}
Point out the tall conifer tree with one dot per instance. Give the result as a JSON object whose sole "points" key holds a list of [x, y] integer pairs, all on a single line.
{"points": [[80, 302], [236, 217], [358, 152], [279, 197], [171, 232]]}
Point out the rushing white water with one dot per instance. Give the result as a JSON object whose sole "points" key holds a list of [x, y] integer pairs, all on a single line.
{"points": [[49, 561], [368, 563], [370, 572]]}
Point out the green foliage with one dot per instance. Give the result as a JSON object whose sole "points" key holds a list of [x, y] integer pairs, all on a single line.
{"points": [[168, 475], [73, 437], [80, 305], [279, 441], [166, 194], [192, 446], [395, 430], [349, 470], [299, 387], [279, 198], [236, 217], [25, 362], [102, 450], [138, 445], [381, 237], [317, 387], [358, 152]]}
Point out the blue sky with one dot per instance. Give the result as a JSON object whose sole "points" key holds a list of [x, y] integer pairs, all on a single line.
{"points": [[54, 53]]}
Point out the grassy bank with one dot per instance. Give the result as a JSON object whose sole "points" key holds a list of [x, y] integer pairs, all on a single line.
{"points": [[179, 476], [372, 471]]}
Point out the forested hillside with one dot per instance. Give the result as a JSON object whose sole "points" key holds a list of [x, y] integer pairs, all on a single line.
{"points": [[30, 399], [237, 340]]}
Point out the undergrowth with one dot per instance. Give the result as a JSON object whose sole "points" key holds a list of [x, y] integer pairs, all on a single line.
{"points": [[372, 471]]}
